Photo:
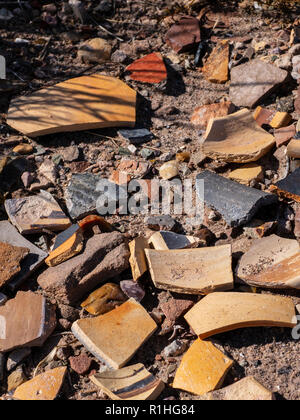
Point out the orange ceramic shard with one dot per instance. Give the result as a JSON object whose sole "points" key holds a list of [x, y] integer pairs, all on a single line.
{"points": [[222, 312], [71, 247], [83, 103], [149, 69], [203, 369], [44, 387], [94, 220]]}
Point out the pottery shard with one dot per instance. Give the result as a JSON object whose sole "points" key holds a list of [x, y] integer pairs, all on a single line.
{"points": [[104, 299], [236, 138], [35, 213], [25, 321], [289, 187], [203, 114], [202, 369], [247, 173], [216, 69], [283, 135], [10, 259], [96, 50], [191, 271], [149, 69], [247, 389], [71, 247], [137, 259], [115, 337], [253, 81], [130, 383], [221, 312], [164, 241], [293, 149], [83, 103], [184, 35], [44, 387], [105, 256], [236, 203], [271, 262]]}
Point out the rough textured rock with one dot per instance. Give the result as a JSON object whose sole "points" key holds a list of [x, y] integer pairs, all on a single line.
{"points": [[96, 50], [104, 300], [80, 364], [105, 256], [15, 379], [221, 312], [216, 69], [203, 114], [253, 81], [169, 170], [149, 69], [137, 135], [236, 138], [16, 357], [25, 321], [237, 203], [23, 149], [289, 187], [35, 213], [164, 222], [116, 336], [132, 290], [10, 261], [184, 35]]}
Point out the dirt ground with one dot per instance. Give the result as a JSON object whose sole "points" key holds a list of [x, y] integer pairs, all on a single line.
{"points": [[269, 354]]}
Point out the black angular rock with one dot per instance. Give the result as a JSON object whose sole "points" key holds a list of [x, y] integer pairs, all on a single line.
{"points": [[164, 222], [235, 202], [137, 135], [289, 187]]}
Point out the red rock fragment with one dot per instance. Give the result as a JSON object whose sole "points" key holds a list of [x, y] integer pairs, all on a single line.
{"points": [[149, 69], [203, 114], [80, 364], [184, 36]]}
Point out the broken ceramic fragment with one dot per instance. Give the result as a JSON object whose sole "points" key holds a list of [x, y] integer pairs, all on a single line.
{"points": [[236, 138], [184, 35], [10, 261], [203, 114], [83, 103], [44, 387], [115, 337], [149, 69], [202, 369], [104, 299], [71, 247], [288, 187], [129, 383], [35, 213], [10, 235], [247, 173], [137, 258], [293, 149], [221, 312], [283, 135], [25, 321], [253, 81], [164, 241], [191, 271], [216, 68], [271, 262], [237, 203]]}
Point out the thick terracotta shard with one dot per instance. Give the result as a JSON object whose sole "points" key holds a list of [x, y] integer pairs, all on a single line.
{"points": [[203, 114], [283, 135], [247, 173], [289, 187], [33, 214], [247, 389], [104, 299], [10, 261], [149, 69], [130, 383], [71, 247], [25, 321], [115, 337], [263, 116], [293, 149], [221, 312], [83, 103], [236, 138], [191, 271], [271, 262], [202, 369], [216, 69], [164, 241], [137, 258], [44, 387], [184, 35]]}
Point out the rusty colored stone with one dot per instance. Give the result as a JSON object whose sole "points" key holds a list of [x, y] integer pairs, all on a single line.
{"points": [[216, 69], [80, 364], [10, 261], [104, 299], [203, 114], [184, 35], [149, 69]]}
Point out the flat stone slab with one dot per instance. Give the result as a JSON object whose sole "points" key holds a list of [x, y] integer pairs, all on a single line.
{"points": [[237, 203], [236, 138], [247, 389], [136, 135], [130, 383], [44, 387], [184, 35], [221, 312], [253, 81], [271, 262], [202, 369], [83, 103], [289, 187], [115, 337], [35, 257], [10, 261], [105, 256], [192, 271], [164, 241], [33, 214], [148, 69], [25, 321]]}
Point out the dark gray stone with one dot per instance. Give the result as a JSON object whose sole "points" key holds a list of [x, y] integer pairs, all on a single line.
{"points": [[16, 357], [3, 299], [175, 241], [137, 135], [2, 367], [237, 203], [10, 235], [132, 289], [164, 222], [291, 184]]}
